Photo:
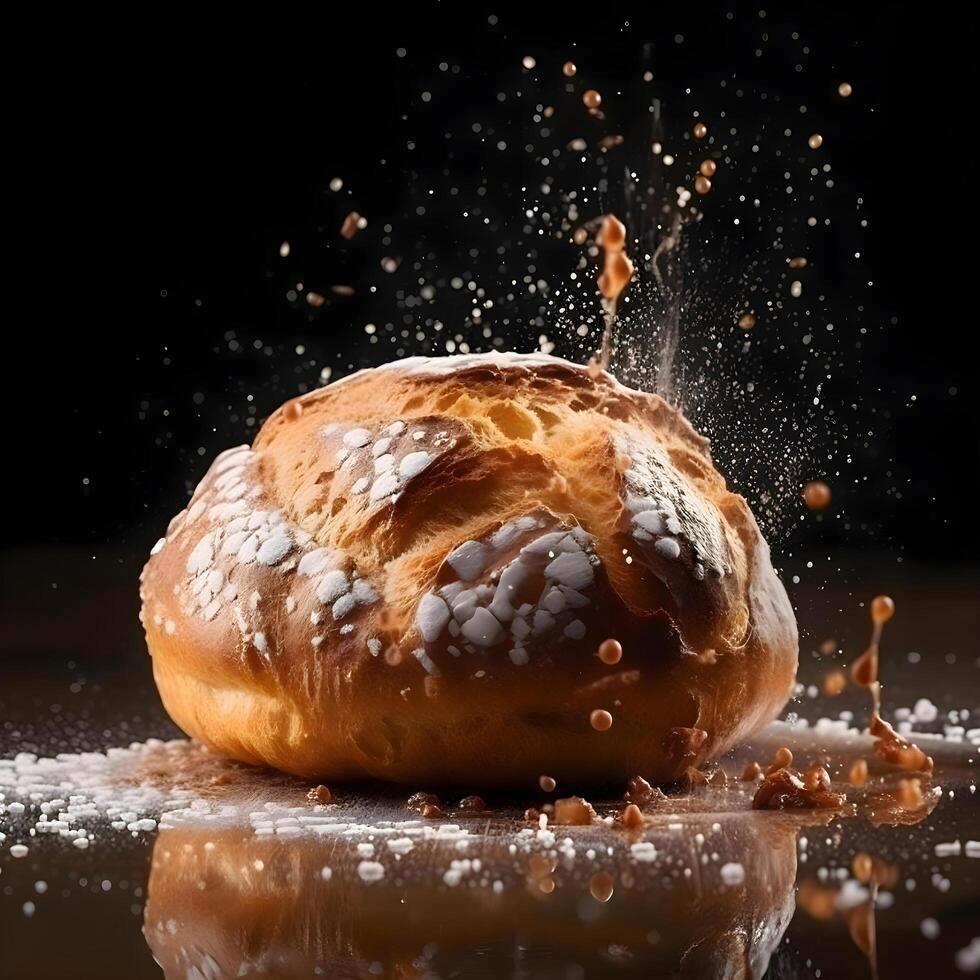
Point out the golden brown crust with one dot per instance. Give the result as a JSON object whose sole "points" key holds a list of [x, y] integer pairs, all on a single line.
{"points": [[410, 572]]}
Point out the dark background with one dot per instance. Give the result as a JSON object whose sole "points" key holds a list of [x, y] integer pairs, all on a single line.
{"points": [[159, 166]]}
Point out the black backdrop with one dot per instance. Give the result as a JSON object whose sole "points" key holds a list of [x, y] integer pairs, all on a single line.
{"points": [[160, 163]]}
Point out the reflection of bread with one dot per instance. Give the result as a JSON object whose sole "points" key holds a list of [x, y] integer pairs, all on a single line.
{"points": [[409, 573], [230, 904]]}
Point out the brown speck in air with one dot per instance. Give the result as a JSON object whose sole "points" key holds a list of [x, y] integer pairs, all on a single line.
{"points": [[701, 184], [844, 90], [708, 168], [568, 69], [580, 236], [547, 784], [699, 130], [882, 608], [591, 98], [797, 262], [474, 804], [315, 299], [815, 141], [746, 321]]}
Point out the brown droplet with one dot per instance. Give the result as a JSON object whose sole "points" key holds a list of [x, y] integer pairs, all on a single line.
{"points": [[574, 811], [610, 651], [864, 670], [699, 130], [580, 236], [342, 290], [708, 168], [844, 90], [797, 262], [858, 775], [612, 233], [549, 111], [828, 648], [816, 495], [882, 608], [568, 69], [577, 145], [591, 98], [319, 794], [815, 141], [910, 792], [532, 814], [475, 804], [834, 683], [782, 759], [816, 778], [547, 784], [617, 271], [862, 866], [315, 299], [601, 720], [631, 818], [701, 184], [601, 886], [293, 409], [353, 223], [751, 772], [746, 321]]}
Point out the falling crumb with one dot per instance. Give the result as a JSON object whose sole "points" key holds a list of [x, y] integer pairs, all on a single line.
{"points": [[316, 300], [547, 784], [815, 141], [353, 223]]}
